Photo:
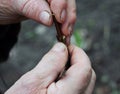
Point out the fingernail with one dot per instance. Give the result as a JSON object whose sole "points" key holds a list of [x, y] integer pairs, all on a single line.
{"points": [[45, 17], [70, 29], [59, 47], [63, 15]]}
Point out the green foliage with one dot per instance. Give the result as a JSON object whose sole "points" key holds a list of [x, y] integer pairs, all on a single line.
{"points": [[80, 39], [77, 37]]}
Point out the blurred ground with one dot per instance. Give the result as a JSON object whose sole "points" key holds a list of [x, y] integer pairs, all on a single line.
{"points": [[97, 32]]}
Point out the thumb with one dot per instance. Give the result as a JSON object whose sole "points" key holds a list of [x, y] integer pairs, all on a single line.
{"points": [[34, 9], [52, 63]]}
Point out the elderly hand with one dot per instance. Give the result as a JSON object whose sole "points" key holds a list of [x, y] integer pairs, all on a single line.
{"points": [[12, 11], [78, 79]]}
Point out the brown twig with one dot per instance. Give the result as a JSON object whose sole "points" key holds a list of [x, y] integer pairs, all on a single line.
{"points": [[61, 38]]}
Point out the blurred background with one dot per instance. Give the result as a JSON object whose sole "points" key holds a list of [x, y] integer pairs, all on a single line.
{"points": [[97, 31]]}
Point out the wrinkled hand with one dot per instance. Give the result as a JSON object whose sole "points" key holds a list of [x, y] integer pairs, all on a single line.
{"points": [[78, 79], [12, 11]]}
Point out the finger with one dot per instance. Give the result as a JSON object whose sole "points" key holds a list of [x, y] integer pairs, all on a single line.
{"points": [[52, 63], [79, 56], [78, 75], [34, 9], [90, 88], [58, 8], [67, 27]]}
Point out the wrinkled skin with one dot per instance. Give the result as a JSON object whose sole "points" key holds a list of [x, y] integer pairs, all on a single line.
{"points": [[78, 79], [13, 11]]}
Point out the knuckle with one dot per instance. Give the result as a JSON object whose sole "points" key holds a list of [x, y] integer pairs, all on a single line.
{"points": [[87, 73], [86, 76], [94, 75], [88, 70], [73, 17]]}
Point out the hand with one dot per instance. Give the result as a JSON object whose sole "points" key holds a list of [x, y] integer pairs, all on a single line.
{"points": [[12, 11], [78, 79]]}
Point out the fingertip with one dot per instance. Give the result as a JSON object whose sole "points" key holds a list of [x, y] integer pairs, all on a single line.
{"points": [[78, 55], [63, 15], [53, 62], [45, 17], [68, 25], [72, 48], [38, 11], [59, 47], [76, 50], [67, 29], [58, 55]]}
